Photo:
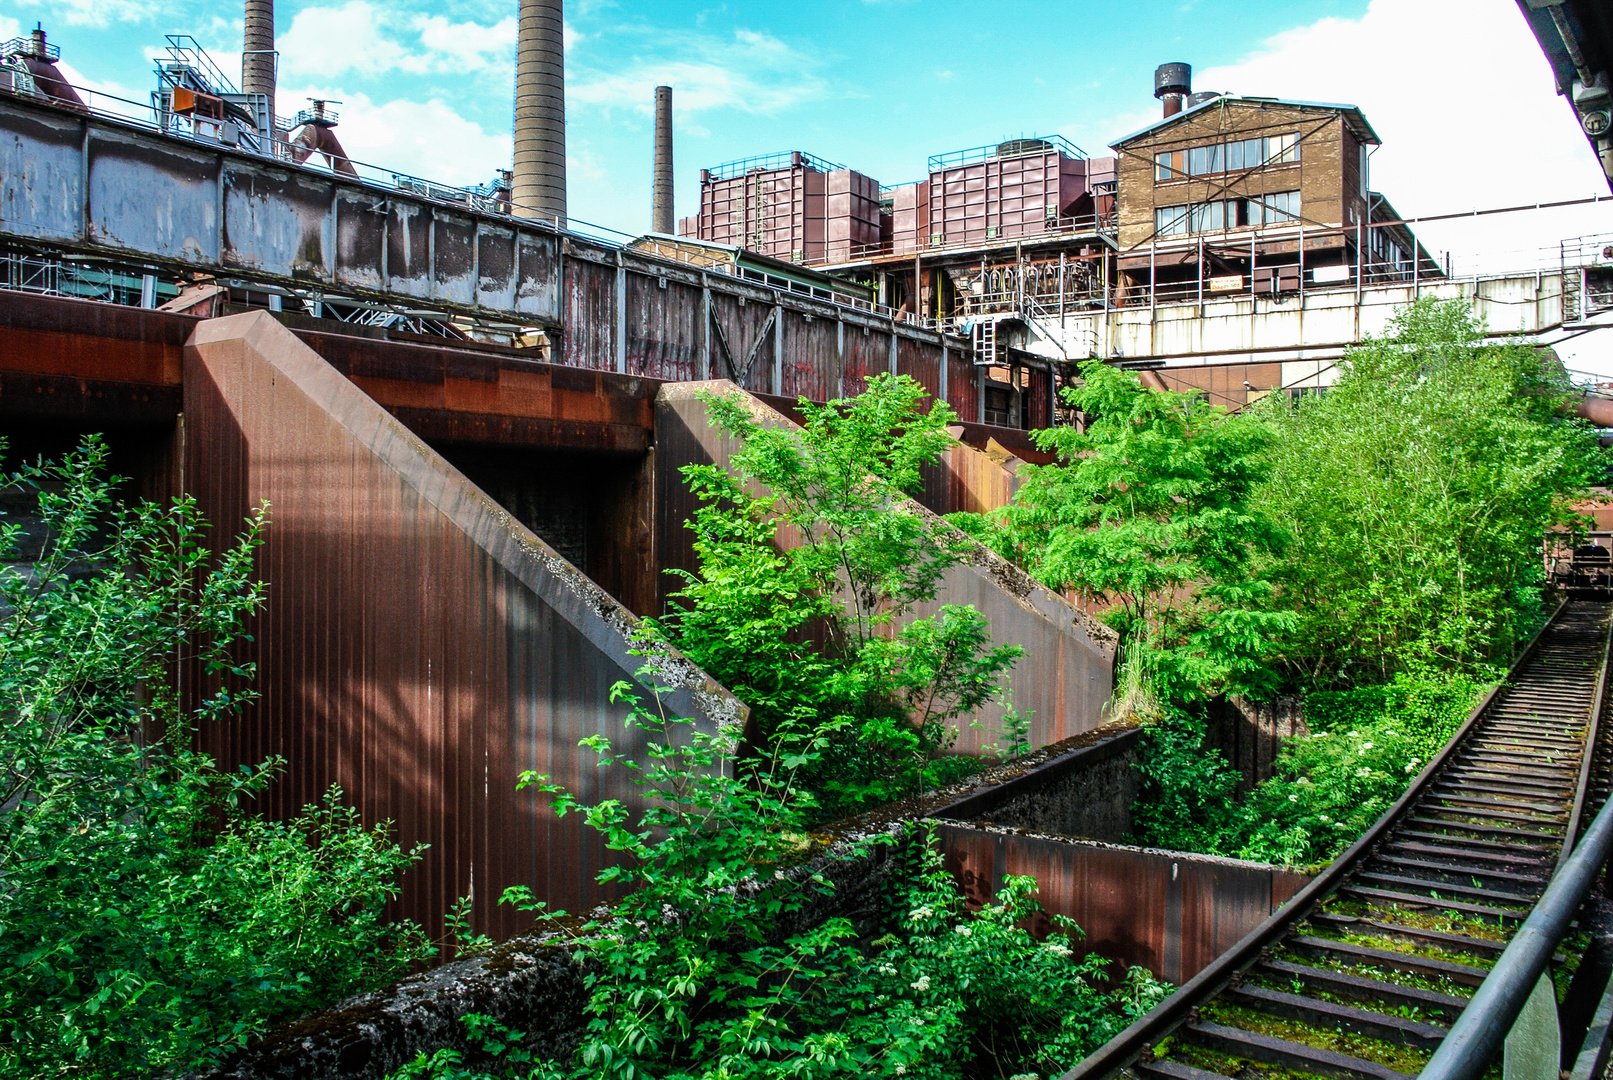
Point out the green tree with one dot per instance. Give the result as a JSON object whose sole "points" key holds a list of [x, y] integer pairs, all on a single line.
{"points": [[1150, 512], [812, 560], [1416, 493], [145, 922]]}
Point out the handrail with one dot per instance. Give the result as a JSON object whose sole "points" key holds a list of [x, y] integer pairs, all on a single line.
{"points": [[1480, 1031], [1124, 1048]]}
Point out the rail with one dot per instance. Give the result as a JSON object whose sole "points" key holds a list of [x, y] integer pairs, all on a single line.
{"points": [[1468, 839]]}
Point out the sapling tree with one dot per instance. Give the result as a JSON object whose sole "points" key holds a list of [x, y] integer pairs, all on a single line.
{"points": [[812, 560], [1150, 513]]}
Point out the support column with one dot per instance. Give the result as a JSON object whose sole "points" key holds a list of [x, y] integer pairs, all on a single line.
{"points": [[778, 349]]}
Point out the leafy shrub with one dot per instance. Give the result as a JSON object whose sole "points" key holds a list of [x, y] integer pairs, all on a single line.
{"points": [[145, 922], [1151, 512], [688, 983], [1326, 789], [1415, 493], [819, 635]]}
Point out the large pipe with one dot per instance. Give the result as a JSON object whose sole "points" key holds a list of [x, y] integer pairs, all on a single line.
{"points": [[661, 191], [538, 184], [257, 53]]}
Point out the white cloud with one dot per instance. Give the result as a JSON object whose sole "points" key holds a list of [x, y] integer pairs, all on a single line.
{"points": [[750, 71], [361, 37], [420, 138], [92, 12]]}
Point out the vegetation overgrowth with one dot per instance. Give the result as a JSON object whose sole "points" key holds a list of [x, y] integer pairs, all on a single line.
{"points": [[691, 982], [820, 634], [1376, 547], [146, 921]]}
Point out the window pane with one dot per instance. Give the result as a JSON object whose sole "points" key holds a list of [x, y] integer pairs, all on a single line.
{"points": [[1162, 166], [1217, 161], [1170, 220], [1234, 156], [1196, 161]]}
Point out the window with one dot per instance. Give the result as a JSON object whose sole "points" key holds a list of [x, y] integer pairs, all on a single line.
{"points": [[1233, 156], [1278, 208], [1170, 220]]}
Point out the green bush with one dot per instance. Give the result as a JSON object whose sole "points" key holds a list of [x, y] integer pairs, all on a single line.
{"points": [[820, 634], [1415, 494], [1326, 789], [145, 922], [689, 982]]}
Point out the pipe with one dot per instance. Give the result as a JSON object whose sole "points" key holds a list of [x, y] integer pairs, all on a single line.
{"points": [[1597, 409], [258, 58], [1482, 1028], [538, 185], [661, 188]]}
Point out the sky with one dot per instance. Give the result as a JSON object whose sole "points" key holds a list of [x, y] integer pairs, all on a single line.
{"points": [[1457, 89]]}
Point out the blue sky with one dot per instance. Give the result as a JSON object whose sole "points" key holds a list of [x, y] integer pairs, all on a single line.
{"points": [[1457, 88]]}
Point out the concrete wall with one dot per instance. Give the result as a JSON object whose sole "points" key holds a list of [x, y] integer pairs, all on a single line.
{"points": [[1066, 674], [1086, 791], [420, 647]]}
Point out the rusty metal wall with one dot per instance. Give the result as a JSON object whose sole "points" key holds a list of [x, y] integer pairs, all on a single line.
{"points": [[1067, 673], [922, 364], [419, 647], [589, 337], [1166, 911]]}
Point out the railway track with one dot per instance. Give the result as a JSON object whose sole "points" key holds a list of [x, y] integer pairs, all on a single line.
{"points": [[1360, 976]]}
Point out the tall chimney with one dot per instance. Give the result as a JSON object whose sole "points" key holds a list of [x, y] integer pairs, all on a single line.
{"points": [[661, 190], [257, 53], [1173, 82], [538, 185]]}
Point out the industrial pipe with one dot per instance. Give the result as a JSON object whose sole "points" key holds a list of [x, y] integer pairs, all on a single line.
{"points": [[661, 188], [1597, 409], [1482, 1028], [538, 183], [258, 55]]}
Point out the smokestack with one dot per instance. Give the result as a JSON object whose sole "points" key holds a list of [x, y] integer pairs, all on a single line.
{"points": [[1172, 82], [258, 55], [538, 186], [661, 191]]}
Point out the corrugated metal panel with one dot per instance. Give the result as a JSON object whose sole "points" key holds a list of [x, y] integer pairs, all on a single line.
{"points": [[867, 354], [920, 361], [663, 328], [1169, 912], [590, 312], [963, 385], [811, 363], [419, 646]]}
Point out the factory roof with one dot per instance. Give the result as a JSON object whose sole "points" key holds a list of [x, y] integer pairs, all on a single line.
{"points": [[1352, 115]]}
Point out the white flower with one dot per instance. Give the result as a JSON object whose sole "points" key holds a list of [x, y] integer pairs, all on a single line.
{"points": [[1367, 745], [923, 985], [1411, 767], [919, 914], [901, 1070], [964, 930], [1293, 798], [1057, 948], [1363, 773]]}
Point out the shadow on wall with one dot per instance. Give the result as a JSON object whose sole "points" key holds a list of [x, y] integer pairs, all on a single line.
{"points": [[1067, 673], [420, 646]]}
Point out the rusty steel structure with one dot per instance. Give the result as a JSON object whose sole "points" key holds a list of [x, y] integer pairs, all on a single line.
{"points": [[1166, 911], [88, 184], [471, 652]]}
